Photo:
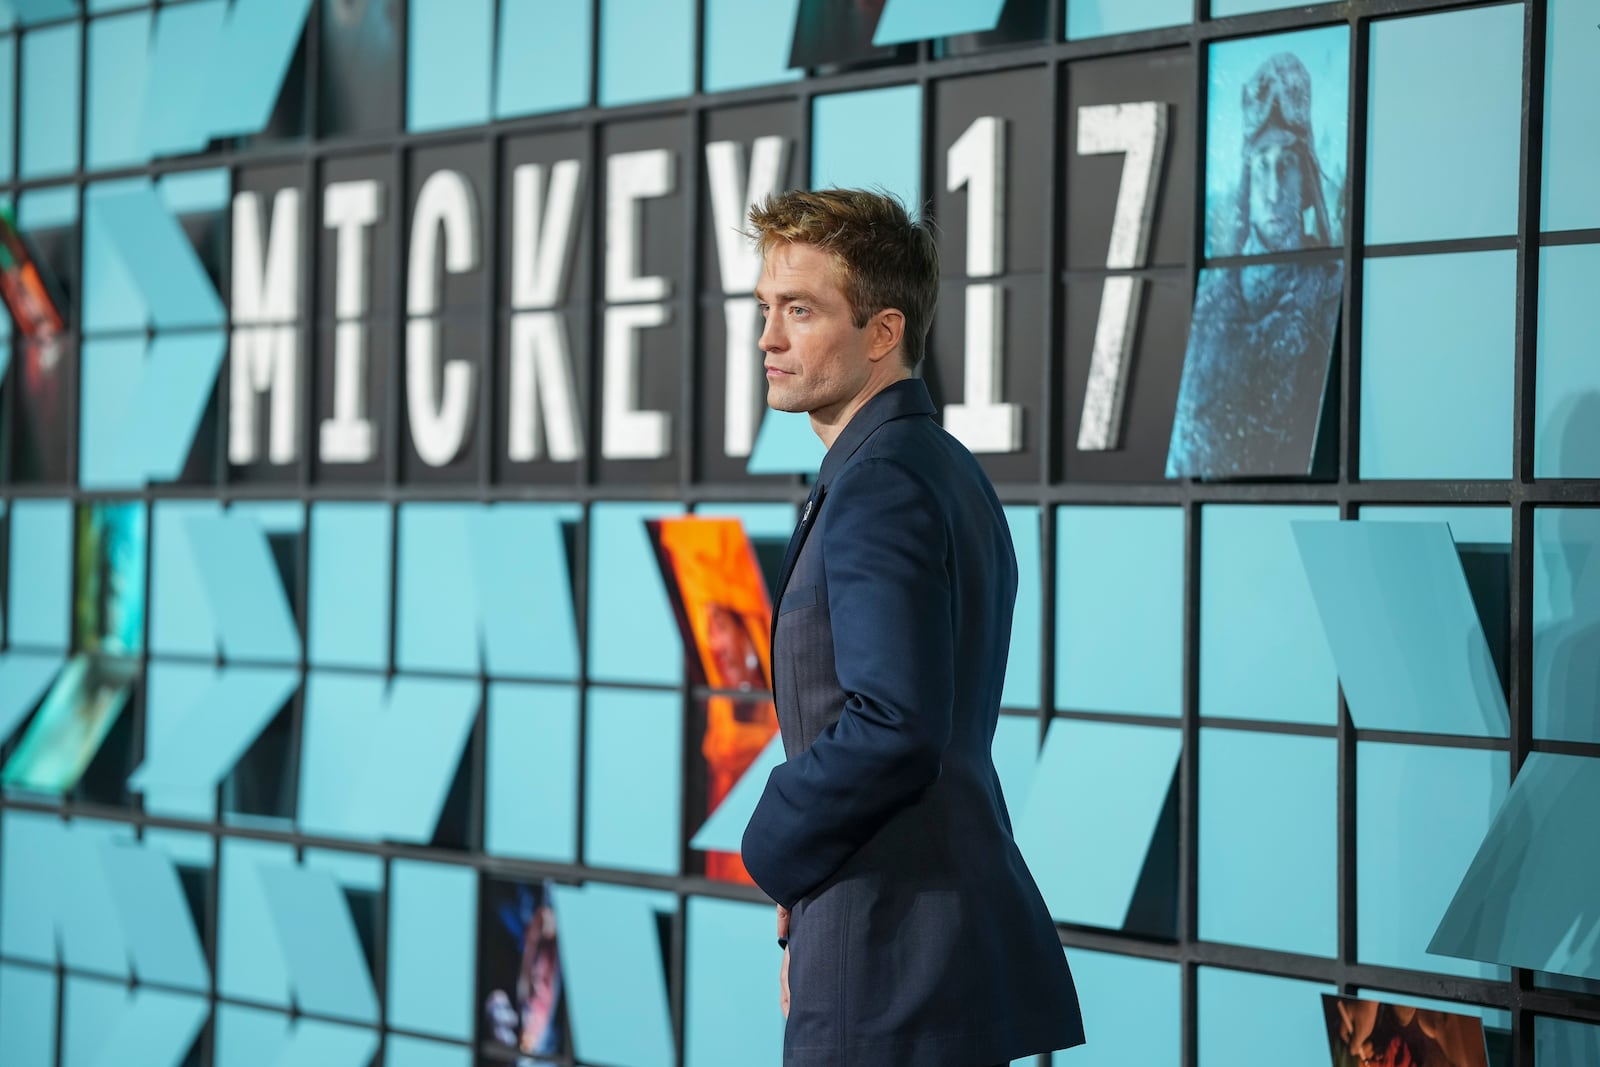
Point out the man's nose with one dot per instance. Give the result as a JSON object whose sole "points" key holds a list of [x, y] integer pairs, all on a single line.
{"points": [[771, 335]]}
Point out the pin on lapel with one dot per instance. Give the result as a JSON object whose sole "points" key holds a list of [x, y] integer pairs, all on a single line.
{"points": [[805, 516]]}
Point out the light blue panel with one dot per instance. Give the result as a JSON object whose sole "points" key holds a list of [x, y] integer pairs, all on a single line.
{"points": [[436, 626], [518, 556], [1099, 18], [432, 962], [1527, 900], [1262, 653], [1022, 666], [613, 974], [27, 1016], [258, 43], [163, 945], [329, 1045], [1399, 617], [5, 357], [785, 444], [175, 119], [542, 61], [761, 522], [160, 1027], [532, 814], [112, 299], [180, 616], [250, 963], [890, 120], [243, 588], [249, 1037], [406, 774], [1221, 9], [1269, 826], [1444, 126], [1282, 1016], [343, 720], [918, 20], [350, 581], [24, 677], [1560, 1042], [646, 50], [1016, 757], [179, 377], [173, 692], [728, 1016], [8, 105], [215, 731], [747, 43], [1119, 609], [1567, 404], [194, 192], [171, 279], [41, 574], [1566, 623], [1091, 813], [1438, 338], [29, 846], [352, 870], [1421, 815], [93, 936], [193, 849], [1468, 525], [112, 371], [632, 634], [451, 50], [1138, 1001], [724, 830], [50, 101], [33, 12], [1571, 119], [92, 1009], [44, 209], [98, 6], [327, 967], [420, 1052], [119, 50], [634, 781]]}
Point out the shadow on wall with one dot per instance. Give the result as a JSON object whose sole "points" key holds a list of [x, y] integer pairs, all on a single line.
{"points": [[1566, 643]]}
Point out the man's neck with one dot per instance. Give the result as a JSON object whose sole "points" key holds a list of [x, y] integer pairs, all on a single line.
{"points": [[829, 423]]}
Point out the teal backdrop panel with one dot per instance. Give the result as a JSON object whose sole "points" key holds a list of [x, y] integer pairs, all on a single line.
{"points": [[50, 101], [890, 120], [1444, 126], [633, 784], [1408, 876], [432, 957], [174, 118], [1023, 665], [163, 941], [531, 787], [350, 585], [1269, 823], [747, 43], [180, 616], [40, 594], [1138, 1001], [613, 973], [1558, 1042], [119, 67], [1221, 9], [250, 960], [419, 1052], [8, 107], [729, 1016], [633, 636], [30, 846], [1438, 336], [543, 56], [1528, 898], [1566, 623], [450, 53], [1490, 526], [1119, 610], [1571, 117], [1283, 1015], [918, 20], [436, 611], [646, 50], [1262, 653], [27, 1016], [1567, 373], [1101, 18], [327, 967]]}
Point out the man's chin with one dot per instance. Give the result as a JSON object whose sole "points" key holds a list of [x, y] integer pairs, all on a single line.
{"points": [[778, 402]]}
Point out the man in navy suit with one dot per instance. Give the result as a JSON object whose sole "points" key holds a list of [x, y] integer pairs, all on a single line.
{"points": [[913, 933]]}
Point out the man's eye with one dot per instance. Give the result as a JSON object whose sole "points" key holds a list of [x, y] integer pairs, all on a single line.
{"points": [[800, 311]]}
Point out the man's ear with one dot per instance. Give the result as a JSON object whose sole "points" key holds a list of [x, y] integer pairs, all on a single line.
{"points": [[885, 331]]}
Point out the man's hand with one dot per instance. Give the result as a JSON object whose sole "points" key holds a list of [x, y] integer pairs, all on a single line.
{"points": [[783, 972]]}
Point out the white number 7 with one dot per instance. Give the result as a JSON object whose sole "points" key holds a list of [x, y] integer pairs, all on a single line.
{"points": [[1140, 132]]}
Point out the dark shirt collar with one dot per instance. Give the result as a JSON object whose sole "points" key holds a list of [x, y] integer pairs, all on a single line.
{"points": [[906, 397]]}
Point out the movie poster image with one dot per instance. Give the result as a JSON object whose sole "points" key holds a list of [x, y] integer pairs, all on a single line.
{"points": [[519, 972], [1373, 1033], [1256, 371], [110, 605], [829, 32], [725, 616], [1277, 127], [40, 353], [78, 713]]}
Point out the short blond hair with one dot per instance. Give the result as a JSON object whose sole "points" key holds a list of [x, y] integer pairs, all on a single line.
{"points": [[885, 260]]}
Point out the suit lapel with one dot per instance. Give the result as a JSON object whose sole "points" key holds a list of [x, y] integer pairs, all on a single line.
{"points": [[797, 540]]}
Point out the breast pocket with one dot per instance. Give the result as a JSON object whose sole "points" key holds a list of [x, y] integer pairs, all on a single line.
{"points": [[797, 597]]}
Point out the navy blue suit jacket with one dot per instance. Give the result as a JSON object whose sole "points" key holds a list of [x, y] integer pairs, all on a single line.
{"points": [[917, 935]]}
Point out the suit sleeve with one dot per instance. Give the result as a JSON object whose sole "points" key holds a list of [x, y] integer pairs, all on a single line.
{"points": [[885, 547]]}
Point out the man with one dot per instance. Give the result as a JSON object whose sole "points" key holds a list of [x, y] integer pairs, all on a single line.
{"points": [[913, 932]]}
